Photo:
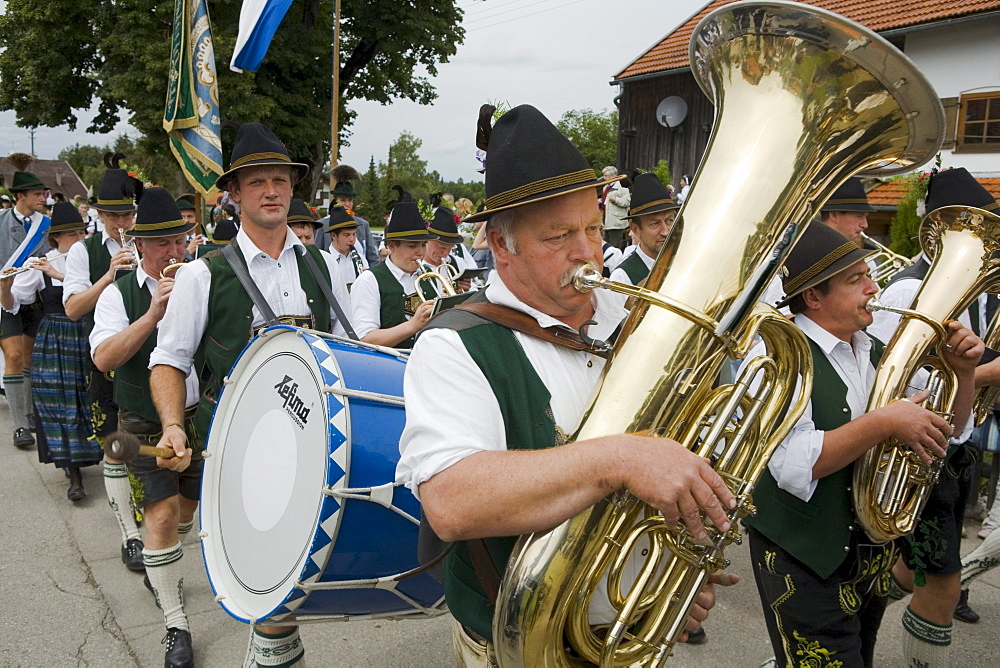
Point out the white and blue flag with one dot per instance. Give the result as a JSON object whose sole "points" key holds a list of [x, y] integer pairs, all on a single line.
{"points": [[259, 19]]}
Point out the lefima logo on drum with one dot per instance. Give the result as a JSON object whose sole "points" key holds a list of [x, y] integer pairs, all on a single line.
{"points": [[287, 390]]}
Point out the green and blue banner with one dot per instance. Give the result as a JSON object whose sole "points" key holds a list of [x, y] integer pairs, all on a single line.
{"points": [[191, 117]]}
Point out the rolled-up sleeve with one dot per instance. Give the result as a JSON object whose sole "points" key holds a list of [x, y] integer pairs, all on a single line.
{"points": [[77, 274], [183, 324], [442, 428], [366, 304]]}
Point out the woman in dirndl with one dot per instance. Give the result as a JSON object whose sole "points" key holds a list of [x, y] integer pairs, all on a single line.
{"points": [[60, 357]]}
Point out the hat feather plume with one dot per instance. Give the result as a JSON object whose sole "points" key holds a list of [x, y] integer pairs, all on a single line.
{"points": [[484, 127], [20, 161], [343, 173], [133, 187], [401, 194], [229, 125], [113, 160]]}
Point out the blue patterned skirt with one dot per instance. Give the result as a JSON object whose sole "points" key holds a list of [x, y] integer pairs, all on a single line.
{"points": [[59, 366]]}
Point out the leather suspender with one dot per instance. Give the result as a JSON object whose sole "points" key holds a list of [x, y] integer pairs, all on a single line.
{"points": [[327, 292], [229, 252]]}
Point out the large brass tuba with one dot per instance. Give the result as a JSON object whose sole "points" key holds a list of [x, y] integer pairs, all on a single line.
{"points": [[891, 485], [804, 99]]}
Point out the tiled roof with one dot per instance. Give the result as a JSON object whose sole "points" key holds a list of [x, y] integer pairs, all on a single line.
{"points": [[889, 193], [56, 174], [672, 52]]}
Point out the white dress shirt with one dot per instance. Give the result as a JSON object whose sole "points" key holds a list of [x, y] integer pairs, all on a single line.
{"points": [[366, 301], [78, 266], [620, 276], [438, 435], [184, 324], [111, 318], [793, 461], [28, 284], [901, 294], [345, 267]]}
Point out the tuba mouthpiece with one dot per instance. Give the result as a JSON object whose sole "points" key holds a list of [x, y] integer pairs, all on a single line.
{"points": [[586, 277]]}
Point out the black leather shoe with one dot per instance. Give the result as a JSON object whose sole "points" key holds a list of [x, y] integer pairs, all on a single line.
{"points": [[23, 438], [180, 653], [76, 490], [963, 612], [697, 637], [32, 425], [132, 555]]}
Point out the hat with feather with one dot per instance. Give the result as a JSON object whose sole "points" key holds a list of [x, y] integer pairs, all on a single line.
{"points": [[342, 176], [23, 179], [117, 187]]}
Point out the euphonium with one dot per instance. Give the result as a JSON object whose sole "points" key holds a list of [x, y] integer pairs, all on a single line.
{"points": [[988, 395], [891, 485], [804, 99], [887, 263]]}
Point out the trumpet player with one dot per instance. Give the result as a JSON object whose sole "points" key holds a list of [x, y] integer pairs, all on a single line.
{"points": [[90, 269], [823, 584], [442, 249], [345, 247], [488, 475], [931, 563], [126, 321], [381, 297]]}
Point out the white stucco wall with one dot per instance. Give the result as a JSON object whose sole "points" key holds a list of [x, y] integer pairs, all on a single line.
{"points": [[961, 59]]}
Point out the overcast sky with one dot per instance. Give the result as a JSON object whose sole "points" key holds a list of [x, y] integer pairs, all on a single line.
{"points": [[554, 54]]}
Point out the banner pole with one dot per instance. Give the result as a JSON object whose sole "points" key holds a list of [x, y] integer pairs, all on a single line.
{"points": [[334, 126]]}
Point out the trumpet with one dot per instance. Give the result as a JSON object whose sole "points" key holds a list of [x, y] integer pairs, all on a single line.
{"points": [[171, 269], [886, 263], [441, 286], [129, 245]]}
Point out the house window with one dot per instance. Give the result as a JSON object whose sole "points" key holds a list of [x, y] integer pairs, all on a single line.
{"points": [[979, 122]]}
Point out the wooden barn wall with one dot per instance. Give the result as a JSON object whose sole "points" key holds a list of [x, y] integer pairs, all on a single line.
{"points": [[642, 141]]}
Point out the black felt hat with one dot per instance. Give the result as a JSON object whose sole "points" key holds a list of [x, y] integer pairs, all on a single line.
{"points": [[443, 226], [298, 212], [649, 195], [255, 146], [157, 215], [340, 219], [65, 218], [821, 253], [342, 176], [23, 179], [957, 187], [529, 160], [113, 195], [406, 223], [184, 204], [850, 196]]}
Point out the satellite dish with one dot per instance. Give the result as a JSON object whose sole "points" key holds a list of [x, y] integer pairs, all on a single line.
{"points": [[671, 111]]}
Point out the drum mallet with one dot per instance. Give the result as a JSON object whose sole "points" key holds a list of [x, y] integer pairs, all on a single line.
{"points": [[125, 447]]}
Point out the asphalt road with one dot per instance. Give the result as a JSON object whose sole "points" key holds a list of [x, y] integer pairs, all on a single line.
{"points": [[67, 600]]}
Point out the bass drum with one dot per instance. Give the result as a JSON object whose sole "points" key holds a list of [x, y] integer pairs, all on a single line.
{"points": [[301, 520]]}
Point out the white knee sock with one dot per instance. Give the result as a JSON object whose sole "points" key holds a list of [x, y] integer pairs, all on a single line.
{"points": [[27, 391], [275, 650], [166, 574], [184, 528], [119, 492], [983, 558], [18, 399], [994, 516], [925, 645]]}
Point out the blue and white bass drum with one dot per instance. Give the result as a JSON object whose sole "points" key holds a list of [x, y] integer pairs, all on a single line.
{"points": [[301, 520]]}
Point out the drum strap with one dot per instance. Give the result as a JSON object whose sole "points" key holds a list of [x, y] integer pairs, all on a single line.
{"points": [[486, 570], [229, 252], [327, 292]]}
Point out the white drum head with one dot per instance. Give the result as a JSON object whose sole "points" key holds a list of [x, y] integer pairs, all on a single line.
{"points": [[263, 483]]}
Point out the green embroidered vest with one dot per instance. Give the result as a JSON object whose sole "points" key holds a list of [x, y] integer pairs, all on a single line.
{"points": [[230, 316], [132, 378], [816, 532], [528, 423], [392, 301], [100, 261], [634, 268]]}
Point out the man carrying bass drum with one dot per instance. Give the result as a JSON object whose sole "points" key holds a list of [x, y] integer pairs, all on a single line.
{"points": [[219, 301]]}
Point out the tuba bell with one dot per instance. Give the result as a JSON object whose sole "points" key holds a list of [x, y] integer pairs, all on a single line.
{"points": [[804, 99], [891, 485]]}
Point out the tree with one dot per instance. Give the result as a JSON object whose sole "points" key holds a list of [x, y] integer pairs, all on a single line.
{"points": [[594, 133], [372, 197], [117, 54], [406, 168]]}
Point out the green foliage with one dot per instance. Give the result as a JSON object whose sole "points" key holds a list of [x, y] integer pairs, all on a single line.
{"points": [[662, 171], [60, 56], [906, 222], [372, 197], [594, 133], [88, 163]]}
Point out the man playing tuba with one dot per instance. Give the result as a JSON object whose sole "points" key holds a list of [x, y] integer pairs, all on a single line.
{"points": [[487, 475], [822, 582]]}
